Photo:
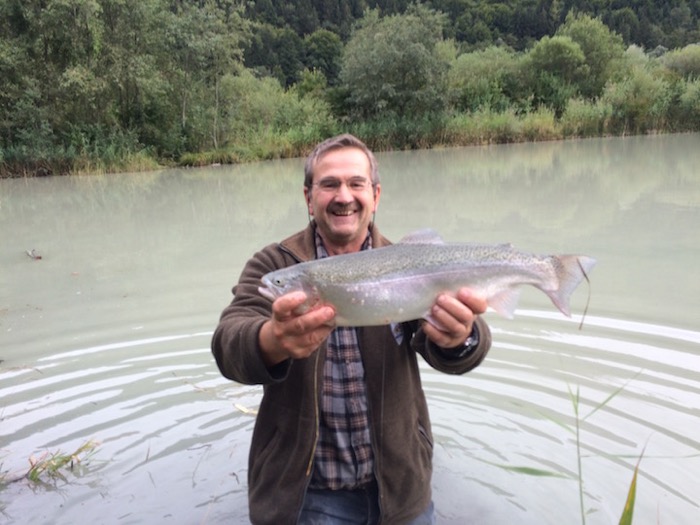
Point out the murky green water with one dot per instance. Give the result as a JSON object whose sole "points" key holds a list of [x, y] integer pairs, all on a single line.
{"points": [[107, 336]]}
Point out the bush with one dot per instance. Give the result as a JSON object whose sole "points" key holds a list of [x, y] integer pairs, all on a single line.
{"points": [[690, 105], [638, 103], [583, 118], [684, 62], [480, 80]]}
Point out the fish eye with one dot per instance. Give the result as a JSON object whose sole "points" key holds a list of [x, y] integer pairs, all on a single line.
{"points": [[278, 281]]}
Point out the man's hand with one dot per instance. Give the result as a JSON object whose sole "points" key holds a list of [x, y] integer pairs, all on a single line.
{"points": [[292, 334], [454, 314]]}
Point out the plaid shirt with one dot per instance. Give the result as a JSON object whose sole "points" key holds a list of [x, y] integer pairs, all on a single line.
{"points": [[343, 457]]}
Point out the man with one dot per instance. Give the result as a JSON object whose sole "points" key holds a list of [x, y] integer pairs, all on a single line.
{"points": [[343, 432]]}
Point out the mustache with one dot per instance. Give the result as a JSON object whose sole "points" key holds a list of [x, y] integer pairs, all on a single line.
{"points": [[336, 207]]}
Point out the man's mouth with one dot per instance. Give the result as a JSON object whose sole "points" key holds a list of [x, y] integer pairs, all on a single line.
{"points": [[343, 212]]}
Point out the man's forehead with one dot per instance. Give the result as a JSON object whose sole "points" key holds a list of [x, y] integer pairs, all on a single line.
{"points": [[353, 163]]}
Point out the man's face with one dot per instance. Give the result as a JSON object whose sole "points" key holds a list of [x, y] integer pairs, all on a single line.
{"points": [[342, 199]]}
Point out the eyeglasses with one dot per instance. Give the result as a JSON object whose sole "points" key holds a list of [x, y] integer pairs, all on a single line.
{"points": [[331, 185]]}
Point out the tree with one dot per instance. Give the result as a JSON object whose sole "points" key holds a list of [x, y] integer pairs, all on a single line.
{"points": [[324, 51], [482, 79], [276, 52], [557, 68], [626, 23], [601, 48], [684, 62], [391, 66]]}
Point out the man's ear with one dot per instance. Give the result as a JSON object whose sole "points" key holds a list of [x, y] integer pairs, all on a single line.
{"points": [[307, 197]]}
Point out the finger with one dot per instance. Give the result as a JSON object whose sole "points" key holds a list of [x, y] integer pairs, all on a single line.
{"points": [[440, 338], [476, 302], [318, 318], [452, 313], [284, 307]]}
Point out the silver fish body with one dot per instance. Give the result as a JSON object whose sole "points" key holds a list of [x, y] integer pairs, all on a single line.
{"points": [[401, 282]]}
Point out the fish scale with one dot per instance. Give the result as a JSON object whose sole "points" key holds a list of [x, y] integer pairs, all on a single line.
{"points": [[400, 282]]}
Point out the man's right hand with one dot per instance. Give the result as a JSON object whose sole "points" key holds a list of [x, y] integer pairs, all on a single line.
{"points": [[290, 334]]}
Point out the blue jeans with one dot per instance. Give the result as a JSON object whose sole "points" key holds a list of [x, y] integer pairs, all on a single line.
{"points": [[349, 507]]}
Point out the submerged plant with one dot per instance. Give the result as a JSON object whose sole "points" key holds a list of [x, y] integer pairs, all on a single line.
{"points": [[51, 464]]}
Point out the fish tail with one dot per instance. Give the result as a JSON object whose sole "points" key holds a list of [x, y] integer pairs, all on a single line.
{"points": [[570, 271]]}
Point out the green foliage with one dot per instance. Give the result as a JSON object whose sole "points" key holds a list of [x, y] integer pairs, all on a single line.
{"points": [[556, 67], [639, 102], [278, 52], [601, 48], [391, 67], [483, 79], [51, 464], [684, 62], [107, 85], [584, 118], [259, 119], [407, 132], [690, 105], [323, 53], [312, 84]]}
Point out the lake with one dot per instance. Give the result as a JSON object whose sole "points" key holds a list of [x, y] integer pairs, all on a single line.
{"points": [[105, 338]]}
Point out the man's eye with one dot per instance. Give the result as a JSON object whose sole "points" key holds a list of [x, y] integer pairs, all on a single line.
{"points": [[329, 184]]}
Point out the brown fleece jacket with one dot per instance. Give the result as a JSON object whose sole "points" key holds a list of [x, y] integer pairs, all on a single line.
{"points": [[281, 452]]}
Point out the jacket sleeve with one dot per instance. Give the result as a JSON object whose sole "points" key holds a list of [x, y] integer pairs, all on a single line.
{"points": [[437, 357], [235, 341]]}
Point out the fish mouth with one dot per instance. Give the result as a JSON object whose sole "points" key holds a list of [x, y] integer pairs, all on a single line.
{"points": [[266, 293]]}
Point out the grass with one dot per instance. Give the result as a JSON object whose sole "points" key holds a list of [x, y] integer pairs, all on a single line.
{"points": [[50, 466], [575, 401], [628, 509]]}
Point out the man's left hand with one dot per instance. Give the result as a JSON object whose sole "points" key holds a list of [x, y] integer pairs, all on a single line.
{"points": [[454, 314]]}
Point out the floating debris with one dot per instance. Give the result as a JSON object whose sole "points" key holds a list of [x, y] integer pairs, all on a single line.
{"points": [[33, 254], [246, 410]]}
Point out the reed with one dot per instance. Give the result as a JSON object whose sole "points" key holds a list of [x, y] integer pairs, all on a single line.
{"points": [[628, 509], [51, 465]]}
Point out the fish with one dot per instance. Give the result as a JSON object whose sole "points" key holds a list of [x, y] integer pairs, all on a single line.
{"points": [[400, 282]]}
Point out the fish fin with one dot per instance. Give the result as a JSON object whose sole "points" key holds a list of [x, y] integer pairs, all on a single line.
{"points": [[570, 271], [424, 236], [505, 301]]}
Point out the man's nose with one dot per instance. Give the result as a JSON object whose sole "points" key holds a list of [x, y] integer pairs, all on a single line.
{"points": [[344, 194]]}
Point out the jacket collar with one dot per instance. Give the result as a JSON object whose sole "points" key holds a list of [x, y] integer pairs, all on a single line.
{"points": [[302, 245]]}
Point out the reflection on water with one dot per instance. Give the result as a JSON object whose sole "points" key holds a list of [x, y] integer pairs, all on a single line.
{"points": [[107, 336]]}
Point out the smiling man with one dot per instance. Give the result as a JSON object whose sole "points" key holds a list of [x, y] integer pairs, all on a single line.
{"points": [[343, 431]]}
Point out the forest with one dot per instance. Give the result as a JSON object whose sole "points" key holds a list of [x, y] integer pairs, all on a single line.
{"points": [[125, 85]]}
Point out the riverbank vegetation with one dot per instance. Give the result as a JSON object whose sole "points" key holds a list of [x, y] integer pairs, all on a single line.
{"points": [[106, 85]]}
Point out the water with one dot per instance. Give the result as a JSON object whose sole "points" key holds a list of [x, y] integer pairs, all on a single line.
{"points": [[106, 337]]}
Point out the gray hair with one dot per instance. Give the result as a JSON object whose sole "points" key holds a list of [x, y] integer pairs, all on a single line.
{"points": [[341, 141]]}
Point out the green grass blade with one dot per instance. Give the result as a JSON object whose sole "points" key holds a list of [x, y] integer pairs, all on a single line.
{"points": [[530, 471], [611, 396], [626, 518]]}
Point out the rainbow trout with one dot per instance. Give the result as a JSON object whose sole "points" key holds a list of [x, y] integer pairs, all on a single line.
{"points": [[401, 282]]}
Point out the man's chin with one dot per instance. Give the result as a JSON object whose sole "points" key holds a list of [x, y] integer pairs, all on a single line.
{"points": [[341, 234]]}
